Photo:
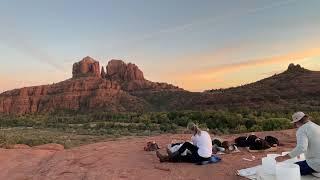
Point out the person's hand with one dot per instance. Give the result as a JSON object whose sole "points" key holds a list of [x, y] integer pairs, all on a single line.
{"points": [[282, 158]]}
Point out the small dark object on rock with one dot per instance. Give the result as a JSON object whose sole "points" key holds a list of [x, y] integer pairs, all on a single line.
{"points": [[151, 146], [272, 141], [217, 142], [259, 144]]}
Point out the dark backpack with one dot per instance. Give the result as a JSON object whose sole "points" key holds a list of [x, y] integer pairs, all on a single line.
{"points": [[225, 144], [251, 140], [241, 141], [259, 144], [217, 142], [272, 141]]}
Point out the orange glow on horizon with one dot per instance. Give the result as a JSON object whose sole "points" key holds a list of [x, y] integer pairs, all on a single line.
{"points": [[201, 79]]}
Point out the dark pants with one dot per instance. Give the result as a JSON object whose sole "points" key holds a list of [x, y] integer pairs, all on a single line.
{"points": [[305, 169], [194, 157]]}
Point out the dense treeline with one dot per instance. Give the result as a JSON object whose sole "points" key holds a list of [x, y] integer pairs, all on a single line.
{"points": [[75, 128], [239, 121]]}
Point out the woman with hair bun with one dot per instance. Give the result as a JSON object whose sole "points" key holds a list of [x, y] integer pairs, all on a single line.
{"points": [[200, 148]]}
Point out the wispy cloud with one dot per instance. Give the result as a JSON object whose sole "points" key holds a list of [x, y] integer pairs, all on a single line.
{"points": [[217, 56], [22, 42], [199, 22], [32, 78], [209, 77], [287, 58]]}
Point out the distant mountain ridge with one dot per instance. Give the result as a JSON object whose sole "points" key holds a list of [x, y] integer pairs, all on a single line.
{"points": [[122, 87], [295, 89]]}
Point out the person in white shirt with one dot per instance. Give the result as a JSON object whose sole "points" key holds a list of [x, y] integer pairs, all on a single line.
{"points": [[200, 148], [308, 142]]}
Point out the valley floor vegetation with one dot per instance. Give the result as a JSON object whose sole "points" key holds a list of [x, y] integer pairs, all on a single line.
{"points": [[75, 128]]}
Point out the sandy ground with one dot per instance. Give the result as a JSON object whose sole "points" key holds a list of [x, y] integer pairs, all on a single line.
{"points": [[124, 159]]}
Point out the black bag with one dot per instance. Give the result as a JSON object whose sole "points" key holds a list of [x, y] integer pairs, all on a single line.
{"points": [[272, 141], [251, 140], [217, 142], [241, 141], [259, 144]]}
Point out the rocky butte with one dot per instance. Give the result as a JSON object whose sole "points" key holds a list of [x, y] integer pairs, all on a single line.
{"points": [[122, 87], [88, 89]]}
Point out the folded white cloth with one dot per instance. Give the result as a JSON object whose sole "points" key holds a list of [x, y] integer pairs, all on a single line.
{"points": [[250, 173]]}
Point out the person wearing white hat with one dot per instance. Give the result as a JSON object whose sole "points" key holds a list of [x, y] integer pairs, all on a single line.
{"points": [[308, 142]]}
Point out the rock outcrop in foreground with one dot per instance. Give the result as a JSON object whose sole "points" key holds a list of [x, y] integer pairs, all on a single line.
{"points": [[88, 89], [124, 159]]}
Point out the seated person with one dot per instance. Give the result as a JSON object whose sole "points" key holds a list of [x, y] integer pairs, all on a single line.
{"points": [[200, 148], [308, 142]]}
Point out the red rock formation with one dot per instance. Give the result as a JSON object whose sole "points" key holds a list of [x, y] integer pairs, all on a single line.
{"points": [[119, 71], [125, 89], [73, 94], [51, 147], [87, 89], [103, 73], [86, 67], [296, 68], [146, 85], [131, 77], [20, 146]]}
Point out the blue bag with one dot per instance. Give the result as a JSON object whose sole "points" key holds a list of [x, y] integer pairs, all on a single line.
{"points": [[213, 159]]}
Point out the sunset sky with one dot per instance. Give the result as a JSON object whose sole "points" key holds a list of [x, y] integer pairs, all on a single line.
{"points": [[196, 45]]}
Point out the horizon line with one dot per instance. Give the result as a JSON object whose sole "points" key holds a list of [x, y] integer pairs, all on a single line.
{"points": [[222, 88]]}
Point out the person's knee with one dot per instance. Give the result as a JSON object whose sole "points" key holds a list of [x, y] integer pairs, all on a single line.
{"points": [[305, 169]]}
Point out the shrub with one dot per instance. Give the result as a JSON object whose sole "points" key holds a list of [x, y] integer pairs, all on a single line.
{"points": [[168, 127], [161, 118], [203, 126], [240, 129], [249, 123], [182, 121], [256, 128], [276, 124]]}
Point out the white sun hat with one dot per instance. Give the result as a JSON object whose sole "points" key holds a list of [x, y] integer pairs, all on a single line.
{"points": [[297, 117]]}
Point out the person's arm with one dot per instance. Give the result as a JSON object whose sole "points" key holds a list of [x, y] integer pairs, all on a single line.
{"points": [[193, 140], [302, 144], [282, 158]]}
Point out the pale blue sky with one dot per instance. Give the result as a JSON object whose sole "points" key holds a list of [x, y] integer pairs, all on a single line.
{"points": [[40, 39]]}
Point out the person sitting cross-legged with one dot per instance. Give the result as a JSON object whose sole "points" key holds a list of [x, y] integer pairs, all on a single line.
{"points": [[200, 148]]}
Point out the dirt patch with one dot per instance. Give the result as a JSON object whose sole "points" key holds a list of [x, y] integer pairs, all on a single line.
{"points": [[125, 159]]}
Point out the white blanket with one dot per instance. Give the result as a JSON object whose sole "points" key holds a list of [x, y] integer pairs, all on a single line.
{"points": [[252, 173]]}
